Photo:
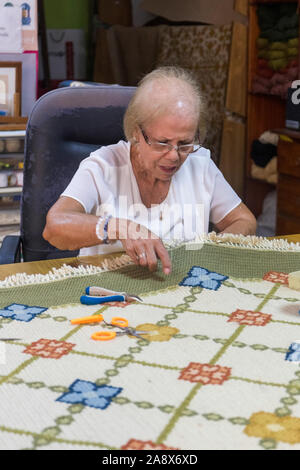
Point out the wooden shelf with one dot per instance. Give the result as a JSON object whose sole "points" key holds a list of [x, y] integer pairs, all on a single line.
{"points": [[262, 181], [288, 132], [256, 191], [265, 112], [260, 2], [11, 158], [9, 134], [16, 156], [268, 95], [13, 120], [11, 191]]}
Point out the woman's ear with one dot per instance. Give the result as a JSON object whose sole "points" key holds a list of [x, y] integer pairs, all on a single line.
{"points": [[135, 136]]}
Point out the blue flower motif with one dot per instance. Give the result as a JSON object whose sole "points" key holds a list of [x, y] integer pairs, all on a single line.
{"points": [[89, 394], [21, 312], [293, 353], [202, 277]]}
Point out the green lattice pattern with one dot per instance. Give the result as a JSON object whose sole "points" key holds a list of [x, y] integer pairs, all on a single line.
{"points": [[261, 381]]}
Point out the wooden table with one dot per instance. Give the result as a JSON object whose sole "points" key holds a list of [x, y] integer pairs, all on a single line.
{"points": [[43, 267]]}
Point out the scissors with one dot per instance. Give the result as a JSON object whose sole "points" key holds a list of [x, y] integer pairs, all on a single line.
{"points": [[98, 295], [118, 322]]}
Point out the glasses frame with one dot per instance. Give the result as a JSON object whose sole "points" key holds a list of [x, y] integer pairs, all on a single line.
{"points": [[170, 147]]}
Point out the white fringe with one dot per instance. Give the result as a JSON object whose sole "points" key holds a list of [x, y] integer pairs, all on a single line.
{"points": [[111, 264], [58, 274], [249, 241]]}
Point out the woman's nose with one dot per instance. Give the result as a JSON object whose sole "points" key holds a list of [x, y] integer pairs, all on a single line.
{"points": [[173, 154]]}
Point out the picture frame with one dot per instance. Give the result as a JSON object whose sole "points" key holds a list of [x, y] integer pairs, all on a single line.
{"points": [[10, 90]]}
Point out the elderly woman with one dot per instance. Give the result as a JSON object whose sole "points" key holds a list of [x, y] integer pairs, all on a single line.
{"points": [[159, 185]]}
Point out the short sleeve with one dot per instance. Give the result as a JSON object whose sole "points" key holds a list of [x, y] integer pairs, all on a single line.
{"points": [[223, 199], [84, 186]]}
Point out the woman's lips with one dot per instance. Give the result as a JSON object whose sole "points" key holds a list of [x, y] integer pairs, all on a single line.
{"points": [[168, 169]]}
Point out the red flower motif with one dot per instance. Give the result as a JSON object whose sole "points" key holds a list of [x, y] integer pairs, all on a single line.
{"points": [[134, 444], [248, 317], [206, 374], [274, 276], [49, 348]]}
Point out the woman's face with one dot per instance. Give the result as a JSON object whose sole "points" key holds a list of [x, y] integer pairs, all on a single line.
{"points": [[175, 129]]}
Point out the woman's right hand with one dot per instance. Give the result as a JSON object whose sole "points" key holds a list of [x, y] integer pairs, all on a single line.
{"points": [[142, 245]]}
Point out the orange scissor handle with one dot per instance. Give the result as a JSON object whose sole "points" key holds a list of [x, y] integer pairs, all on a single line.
{"points": [[104, 335], [86, 320], [119, 321]]}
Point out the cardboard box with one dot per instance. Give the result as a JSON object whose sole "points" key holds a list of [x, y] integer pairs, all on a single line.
{"points": [[115, 12], [217, 12]]}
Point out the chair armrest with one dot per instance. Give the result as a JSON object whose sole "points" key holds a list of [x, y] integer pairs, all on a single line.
{"points": [[10, 251]]}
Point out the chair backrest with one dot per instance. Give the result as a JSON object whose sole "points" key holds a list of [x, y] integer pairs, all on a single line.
{"points": [[65, 126]]}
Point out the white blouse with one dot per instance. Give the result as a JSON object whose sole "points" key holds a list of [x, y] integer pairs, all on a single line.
{"points": [[198, 193]]}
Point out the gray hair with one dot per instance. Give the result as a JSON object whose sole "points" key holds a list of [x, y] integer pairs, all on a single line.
{"points": [[141, 110]]}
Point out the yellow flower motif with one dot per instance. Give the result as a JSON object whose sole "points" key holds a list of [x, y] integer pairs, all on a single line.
{"points": [[270, 426], [157, 333]]}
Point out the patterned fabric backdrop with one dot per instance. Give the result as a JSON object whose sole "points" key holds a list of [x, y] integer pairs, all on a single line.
{"points": [[204, 50], [217, 368]]}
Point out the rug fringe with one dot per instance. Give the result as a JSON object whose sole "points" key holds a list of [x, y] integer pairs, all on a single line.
{"points": [[243, 241], [65, 271], [229, 240]]}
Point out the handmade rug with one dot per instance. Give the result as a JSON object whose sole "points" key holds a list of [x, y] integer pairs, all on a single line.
{"points": [[217, 369]]}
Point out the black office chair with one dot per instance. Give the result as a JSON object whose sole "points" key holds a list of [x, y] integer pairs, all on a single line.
{"points": [[64, 127]]}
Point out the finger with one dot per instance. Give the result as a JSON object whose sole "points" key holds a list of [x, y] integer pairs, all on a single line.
{"points": [[164, 257], [129, 248], [151, 257], [142, 257]]}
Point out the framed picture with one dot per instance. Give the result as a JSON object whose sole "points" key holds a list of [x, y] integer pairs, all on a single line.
{"points": [[10, 89]]}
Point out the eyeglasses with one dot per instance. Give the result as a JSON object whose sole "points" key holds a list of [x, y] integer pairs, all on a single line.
{"points": [[162, 147]]}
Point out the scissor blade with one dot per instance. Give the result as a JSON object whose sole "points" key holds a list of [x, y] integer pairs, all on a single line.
{"points": [[133, 297], [10, 339], [138, 335]]}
